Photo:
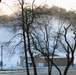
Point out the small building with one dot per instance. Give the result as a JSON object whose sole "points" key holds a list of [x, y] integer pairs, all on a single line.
{"points": [[40, 61], [59, 61]]}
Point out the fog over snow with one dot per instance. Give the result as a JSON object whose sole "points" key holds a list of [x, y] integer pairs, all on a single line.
{"points": [[5, 35]]}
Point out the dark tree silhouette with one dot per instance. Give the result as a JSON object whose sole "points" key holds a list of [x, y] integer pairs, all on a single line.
{"points": [[0, 0]]}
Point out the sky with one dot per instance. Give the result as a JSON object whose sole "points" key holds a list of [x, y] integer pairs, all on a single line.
{"points": [[68, 4], [8, 5]]}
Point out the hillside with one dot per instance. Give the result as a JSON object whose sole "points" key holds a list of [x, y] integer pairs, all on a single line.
{"points": [[54, 18]]}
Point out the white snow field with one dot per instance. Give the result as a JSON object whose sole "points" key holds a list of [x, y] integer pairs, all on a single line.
{"points": [[5, 35]]}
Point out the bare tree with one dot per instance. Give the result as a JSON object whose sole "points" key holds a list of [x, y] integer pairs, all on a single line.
{"points": [[41, 39], [27, 21], [71, 49], [24, 37]]}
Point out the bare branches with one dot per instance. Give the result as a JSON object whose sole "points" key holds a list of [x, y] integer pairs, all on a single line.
{"points": [[70, 49], [66, 37], [44, 54]]}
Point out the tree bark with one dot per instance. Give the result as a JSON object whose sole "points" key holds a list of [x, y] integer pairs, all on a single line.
{"points": [[24, 37], [31, 55]]}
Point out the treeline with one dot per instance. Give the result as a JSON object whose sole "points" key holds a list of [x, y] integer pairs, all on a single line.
{"points": [[45, 10], [55, 10]]}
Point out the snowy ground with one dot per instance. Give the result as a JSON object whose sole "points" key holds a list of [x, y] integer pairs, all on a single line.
{"points": [[40, 71]]}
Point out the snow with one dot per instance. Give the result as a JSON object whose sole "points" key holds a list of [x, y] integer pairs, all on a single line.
{"points": [[5, 35]]}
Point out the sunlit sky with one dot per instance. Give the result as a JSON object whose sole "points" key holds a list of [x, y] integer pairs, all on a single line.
{"points": [[67, 4]]}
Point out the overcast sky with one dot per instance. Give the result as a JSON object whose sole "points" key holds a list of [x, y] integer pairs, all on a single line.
{"points": [[68, 4]]}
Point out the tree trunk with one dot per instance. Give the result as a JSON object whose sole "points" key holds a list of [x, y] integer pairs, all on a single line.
{"points": [[68, 65], [49, 71], [25, 51], [31, 55]]}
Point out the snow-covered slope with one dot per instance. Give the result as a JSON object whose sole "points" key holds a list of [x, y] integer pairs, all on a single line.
{"points": [[6, 34]]}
